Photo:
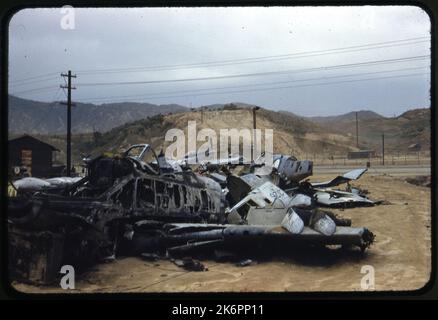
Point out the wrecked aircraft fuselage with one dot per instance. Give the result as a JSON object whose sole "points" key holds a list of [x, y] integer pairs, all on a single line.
{"points": [[139, 202], [89, 215]]}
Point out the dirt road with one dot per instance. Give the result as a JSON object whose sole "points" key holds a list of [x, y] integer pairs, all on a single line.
{"points": [[402, 171], [401, 256]]}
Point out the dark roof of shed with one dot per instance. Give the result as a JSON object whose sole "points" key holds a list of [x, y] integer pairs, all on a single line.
{"points": [[26, 136]]}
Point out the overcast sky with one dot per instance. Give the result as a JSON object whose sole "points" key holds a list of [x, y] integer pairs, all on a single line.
{"points": [[307, 60]]}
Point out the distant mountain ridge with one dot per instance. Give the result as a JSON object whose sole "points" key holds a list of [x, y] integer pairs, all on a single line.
{"points": [[350, 116], [34, 117], [292, 134], [128, 122], [415, 114]]}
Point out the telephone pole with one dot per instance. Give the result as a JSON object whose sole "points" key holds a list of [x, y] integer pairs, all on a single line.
{"points": [[254, 142], [69, 105], [383, 149], [357, 133]]}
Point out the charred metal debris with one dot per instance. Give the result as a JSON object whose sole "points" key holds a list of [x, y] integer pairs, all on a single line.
{"points": [[140, 203]]}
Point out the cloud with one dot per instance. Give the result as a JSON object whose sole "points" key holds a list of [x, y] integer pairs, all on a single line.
{"points": [[130, 37]]}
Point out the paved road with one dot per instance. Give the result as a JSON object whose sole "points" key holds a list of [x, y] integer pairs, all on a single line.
{"points": [[377, 170]]}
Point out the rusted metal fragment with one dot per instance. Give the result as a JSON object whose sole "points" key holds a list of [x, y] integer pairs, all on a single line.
{"points": [[360, 237], [265, 216], [292, 222], [288, 168], [219, 178], [346, 177], [325, 225], [336, 198], [266, 196], [300, 200], [195, 247], [35, 257], [234, 234], [244, 263], [189, 264]]}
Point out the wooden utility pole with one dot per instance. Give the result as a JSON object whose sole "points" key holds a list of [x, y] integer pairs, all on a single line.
{"points": [[69, 105], [357, 133], [383, 149], [254, 146]]}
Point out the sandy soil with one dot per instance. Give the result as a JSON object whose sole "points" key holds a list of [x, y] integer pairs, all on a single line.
{"points": [[401, 256]]}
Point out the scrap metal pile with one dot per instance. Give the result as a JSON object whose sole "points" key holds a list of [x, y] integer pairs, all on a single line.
{"points": [[140, 203]]}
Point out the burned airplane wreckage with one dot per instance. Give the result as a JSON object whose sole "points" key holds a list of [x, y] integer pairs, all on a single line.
{"points": [[140, 203]]}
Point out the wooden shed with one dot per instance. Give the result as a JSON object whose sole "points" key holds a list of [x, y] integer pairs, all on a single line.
{"points": [[33, 154]]}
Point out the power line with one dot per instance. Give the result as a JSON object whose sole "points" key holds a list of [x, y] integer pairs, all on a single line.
{"points": [[287, 87], [34, 77], [259, 60], [262, 59], [63, 90], [32, 82], [251, 85], [49, 76], [34, 89], [377, 45], [357, 64]]}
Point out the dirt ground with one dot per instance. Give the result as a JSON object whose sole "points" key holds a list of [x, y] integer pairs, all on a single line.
{"points": [[400, 256]]}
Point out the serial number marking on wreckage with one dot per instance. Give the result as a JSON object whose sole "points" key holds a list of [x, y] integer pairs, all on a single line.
{"points": [[140, 203]]}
